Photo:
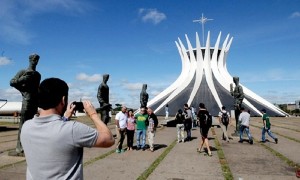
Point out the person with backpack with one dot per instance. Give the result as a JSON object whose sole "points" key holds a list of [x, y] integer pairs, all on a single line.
{"points": [[205, 120], [224, 119], [267, 127]]}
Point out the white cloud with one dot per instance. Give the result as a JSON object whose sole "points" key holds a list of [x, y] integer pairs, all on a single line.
{"points": [[15, 15], [133, 86], [152, 15], [275, 74], [11, 94], [5, 61], [89, 78], [295, 15], [42, 6]]}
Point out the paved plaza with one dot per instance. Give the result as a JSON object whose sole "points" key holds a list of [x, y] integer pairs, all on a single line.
{"points": [[178, 161]]}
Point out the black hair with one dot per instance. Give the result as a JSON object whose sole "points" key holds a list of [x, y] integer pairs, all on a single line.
{"points": [[179, 111], [202, 105], [223, 107], [51, 91]]}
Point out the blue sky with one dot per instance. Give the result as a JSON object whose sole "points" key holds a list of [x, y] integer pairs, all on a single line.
{"points": [[134, 41]]}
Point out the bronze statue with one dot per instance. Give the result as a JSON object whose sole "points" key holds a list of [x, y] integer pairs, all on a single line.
{"points": [[103, 98], [238, 95], [144, 96], [27, 81]]}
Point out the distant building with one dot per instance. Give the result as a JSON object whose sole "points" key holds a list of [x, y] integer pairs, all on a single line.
{"points": [[291, 107]]}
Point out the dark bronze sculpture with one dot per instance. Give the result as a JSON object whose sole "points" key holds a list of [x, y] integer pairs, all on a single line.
{"points": [[103, 98], [238, 95], [144, 96], [27, 82]]}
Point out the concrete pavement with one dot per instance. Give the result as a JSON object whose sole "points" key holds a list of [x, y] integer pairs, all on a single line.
{"points": [[180, 160]]}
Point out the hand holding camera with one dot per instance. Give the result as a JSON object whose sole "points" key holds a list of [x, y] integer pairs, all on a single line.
{"points": [[78, 106]]}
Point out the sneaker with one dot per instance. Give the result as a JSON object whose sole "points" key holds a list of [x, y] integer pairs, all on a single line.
{"points": [[118, 151], [276, 140], [240, 141], [251, 141], [144, 148], [199, 150], [263, 141], [122, 150], [138, 148]]}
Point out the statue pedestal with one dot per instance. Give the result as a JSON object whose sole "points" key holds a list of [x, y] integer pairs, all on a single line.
{"points": [[15, 153]]}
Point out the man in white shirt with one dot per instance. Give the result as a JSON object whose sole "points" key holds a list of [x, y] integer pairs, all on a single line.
{"points": [[121, 124], [244, 120]]}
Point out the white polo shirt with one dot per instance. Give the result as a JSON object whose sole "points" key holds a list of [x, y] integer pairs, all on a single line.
{"points": [[122, 118]]}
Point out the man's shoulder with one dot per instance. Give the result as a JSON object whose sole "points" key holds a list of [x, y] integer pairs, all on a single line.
{"points": [[153, 115], [118, 113]]}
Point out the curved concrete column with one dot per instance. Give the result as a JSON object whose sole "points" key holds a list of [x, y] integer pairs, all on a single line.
{"points": [[195, 66]]}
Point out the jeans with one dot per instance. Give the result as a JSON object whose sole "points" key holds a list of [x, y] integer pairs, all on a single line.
{"points": [[188, 134], [246, 128], [140, 133], [264, 130]]}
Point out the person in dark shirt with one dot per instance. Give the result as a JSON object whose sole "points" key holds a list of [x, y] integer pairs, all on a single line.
{"points": [[203, 116], [179, 118]]}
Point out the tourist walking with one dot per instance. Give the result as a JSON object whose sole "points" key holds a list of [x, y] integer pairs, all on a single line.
{"points": [[267, 127], [167, 111], [224, 120], [187, 122], [204, 118], [153, 122], [179, 118], [54, 145], [141, 128], [244, 120], [130, 129], [121, 124]]}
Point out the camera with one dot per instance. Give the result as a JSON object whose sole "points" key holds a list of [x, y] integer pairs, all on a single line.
{"points": [[78, 106]]}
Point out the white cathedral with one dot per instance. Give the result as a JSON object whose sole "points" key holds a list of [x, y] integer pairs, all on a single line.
{"points": [[204, 78]]}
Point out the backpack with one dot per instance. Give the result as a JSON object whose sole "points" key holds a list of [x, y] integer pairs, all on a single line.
{"points": [[225, 118], [207, 119]]}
